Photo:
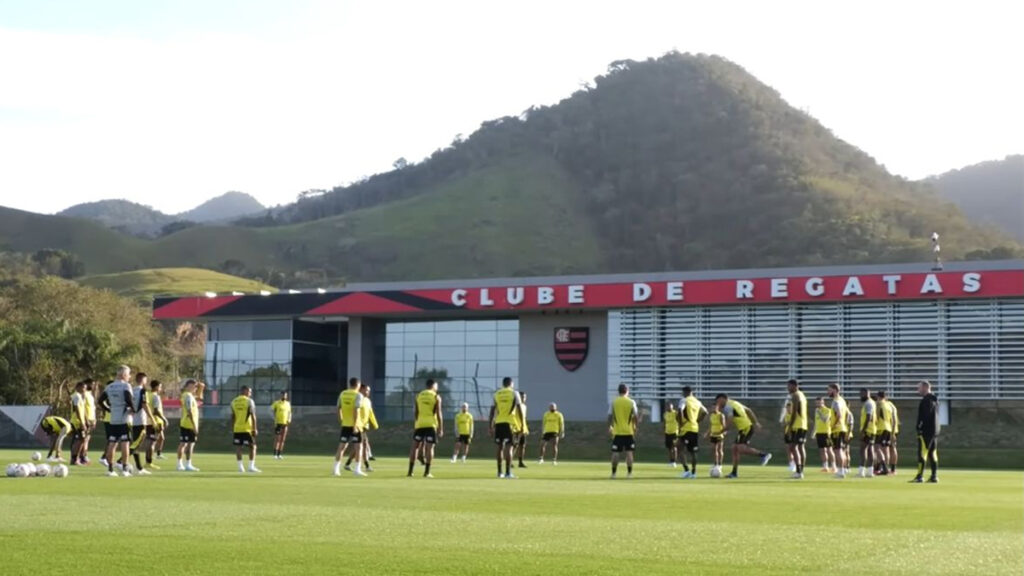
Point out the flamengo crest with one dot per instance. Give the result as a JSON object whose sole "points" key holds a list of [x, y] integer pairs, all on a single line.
{"points": [[571, 346]]}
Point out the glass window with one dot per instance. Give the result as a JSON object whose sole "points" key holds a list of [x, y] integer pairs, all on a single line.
{"points": [[451, 326], [263, 351], [450, 339], [282, 351], [488, 338], [506, 338], [271, 330], [419, 339]]}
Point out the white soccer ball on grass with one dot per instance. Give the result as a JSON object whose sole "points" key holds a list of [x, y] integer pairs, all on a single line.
{"points": [[22, 471], [36, 456], [30, 467], [43, 470], [12, 470], [716, 471], [61, 471]]}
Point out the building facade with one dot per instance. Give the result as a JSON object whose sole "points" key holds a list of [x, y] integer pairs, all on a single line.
{"points": [[573, 339]]}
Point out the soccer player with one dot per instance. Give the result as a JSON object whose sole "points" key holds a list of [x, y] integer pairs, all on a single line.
{"points": [[189, 425], [369, 422], [745, 421], [894, 454], [506, 408], [245, 428], [691, 413], [785, 416], [623, 422], [716, 435], [523, 430], [155, 431], [90, 418], [840, 430], [351, 429], [282, 410], [57, 429], [428, 427], [671, 418], [463, 432], [117, 396], [928, 429], [823, 434], [78, 424], [104, 408], [140, 422], [883, 436], [797, 426], [553, 425], [868, 430]]}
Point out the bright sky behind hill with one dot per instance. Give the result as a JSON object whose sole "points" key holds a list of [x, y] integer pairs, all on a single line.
{"points": [[171, 102]]}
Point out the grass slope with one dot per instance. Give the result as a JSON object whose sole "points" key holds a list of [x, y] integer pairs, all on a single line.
{"points": [[296, 519], [518, 217], [144, 284]]}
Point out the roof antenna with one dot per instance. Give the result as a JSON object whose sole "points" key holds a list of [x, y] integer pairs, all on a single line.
{"points": [[937, 251]]}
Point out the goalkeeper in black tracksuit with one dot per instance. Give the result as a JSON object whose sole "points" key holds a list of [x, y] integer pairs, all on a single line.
{"points": [[927, 433]]}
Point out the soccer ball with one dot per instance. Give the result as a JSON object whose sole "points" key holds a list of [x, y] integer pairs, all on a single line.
{"points": [[43, 470], [30, 467], [716, 472], [60, 471], [12, 470], [36, 456], [21, 472]]}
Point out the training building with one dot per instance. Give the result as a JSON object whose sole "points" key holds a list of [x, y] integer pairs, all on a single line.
{"points": [[573, 339]]}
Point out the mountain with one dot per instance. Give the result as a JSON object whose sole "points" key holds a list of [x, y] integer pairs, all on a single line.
{"points": [[223, 208], [139, 220], [680, 162], [142, 285], [121, 215], [989, 192]]}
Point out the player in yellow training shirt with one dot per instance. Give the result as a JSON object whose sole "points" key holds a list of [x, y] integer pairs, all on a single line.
{"points": [[868, 431], [189, 426], [691, 413], [840, 430], [245, 428], [158, 426], [745, 421], [553, 425], [883, 435], [428, 426], [282, 411], [57, 429], [823, 434], [78, 424], [797, 426], [351, 428], [463, 432], [671, 419], [894, 420], [522, 431], [716, 435], [369, 421], [90, 418], [506, 408], [623, 421]]}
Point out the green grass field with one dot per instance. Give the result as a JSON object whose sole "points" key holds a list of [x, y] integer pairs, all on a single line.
{"points": [[142, 285], [296, 518]]}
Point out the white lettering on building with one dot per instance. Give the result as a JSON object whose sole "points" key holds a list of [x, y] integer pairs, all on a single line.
{"points": [[931, 285], [641, 292], [780, 288], [972, 282], [814, 286], [545, 295], [485, 298], [853, 287], [459, 297], [576, 294], [890, 282], [744, 289], [674, 291], [515, 296]]}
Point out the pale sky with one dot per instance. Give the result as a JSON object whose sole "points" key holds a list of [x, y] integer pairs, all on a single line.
{"points": [[171, 102]]}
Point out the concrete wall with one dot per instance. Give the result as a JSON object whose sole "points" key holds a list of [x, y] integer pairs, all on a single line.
{"points": [[581, 395]]}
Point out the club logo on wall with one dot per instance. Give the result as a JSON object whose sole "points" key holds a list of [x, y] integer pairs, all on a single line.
{"points": [[571, 346]]}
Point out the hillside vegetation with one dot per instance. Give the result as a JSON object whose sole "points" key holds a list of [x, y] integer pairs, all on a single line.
{"points": [[680, 162], [989, 193]]}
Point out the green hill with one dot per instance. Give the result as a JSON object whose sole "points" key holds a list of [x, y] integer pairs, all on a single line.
{"points": [[142, 285], [680, 162], [989, 192]]}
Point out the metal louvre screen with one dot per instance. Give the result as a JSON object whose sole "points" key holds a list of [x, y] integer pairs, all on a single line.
{"points": [[973, 349]]}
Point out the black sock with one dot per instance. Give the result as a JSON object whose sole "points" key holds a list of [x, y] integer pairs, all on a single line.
{"points": [[349, 461], [159, 453], [499, 467], [935, 468], [508, 467], [138, 461], [615, 468], [693, 468], [685, 467], [426, 471], [734, 470], [412, 464], [149, 458], [629, 468]]}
